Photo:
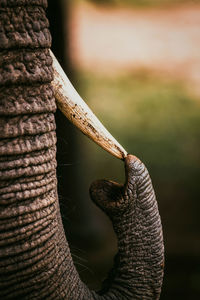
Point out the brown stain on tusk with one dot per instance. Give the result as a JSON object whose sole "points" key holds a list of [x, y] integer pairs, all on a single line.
{"points": [[78, 112]]}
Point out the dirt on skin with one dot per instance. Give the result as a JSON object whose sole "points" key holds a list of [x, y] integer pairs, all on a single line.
{"points": [[164, 40]]}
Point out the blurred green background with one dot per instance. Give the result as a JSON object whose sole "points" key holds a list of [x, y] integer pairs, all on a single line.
{"points": [[159, 121], [155, 117]]}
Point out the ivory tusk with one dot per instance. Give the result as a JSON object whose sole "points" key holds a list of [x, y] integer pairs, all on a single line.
{"points": [[78, 112]]}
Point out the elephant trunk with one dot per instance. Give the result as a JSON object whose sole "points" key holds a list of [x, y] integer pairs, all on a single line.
{"points": [[29, 220], [138, 269], [35, 260]]}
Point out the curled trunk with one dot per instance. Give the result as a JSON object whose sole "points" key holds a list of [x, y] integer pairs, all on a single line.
{"points": [[35, 260]]}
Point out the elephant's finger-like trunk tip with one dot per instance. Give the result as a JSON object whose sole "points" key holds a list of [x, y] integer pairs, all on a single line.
{"points": [[77, 111]]}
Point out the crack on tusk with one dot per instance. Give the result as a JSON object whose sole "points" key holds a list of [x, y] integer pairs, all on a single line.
{"points": [[78, 112]]}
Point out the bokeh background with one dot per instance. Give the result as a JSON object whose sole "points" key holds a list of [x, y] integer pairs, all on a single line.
{"points": [[137, 65]]}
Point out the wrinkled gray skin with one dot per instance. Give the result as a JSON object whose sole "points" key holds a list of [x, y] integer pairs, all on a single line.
{"points": [[35, 260]]}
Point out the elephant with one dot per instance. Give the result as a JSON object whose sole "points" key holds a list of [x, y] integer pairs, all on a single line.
{"points": [[35, 258]]}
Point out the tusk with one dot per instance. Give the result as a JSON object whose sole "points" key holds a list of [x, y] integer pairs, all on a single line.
{"points": [[77, 111]]}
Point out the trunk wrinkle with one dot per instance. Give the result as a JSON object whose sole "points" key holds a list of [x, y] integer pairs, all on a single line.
{"points": [[35, 259]]}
